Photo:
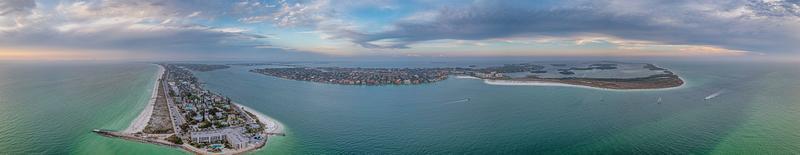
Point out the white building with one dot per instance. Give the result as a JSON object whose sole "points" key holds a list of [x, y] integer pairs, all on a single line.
{"points": [[237, 140], [207, 136], [234, 136]]}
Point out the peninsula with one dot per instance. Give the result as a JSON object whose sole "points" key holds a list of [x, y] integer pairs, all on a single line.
{"points": [[182, 114], [203, 67], [604, 74]]}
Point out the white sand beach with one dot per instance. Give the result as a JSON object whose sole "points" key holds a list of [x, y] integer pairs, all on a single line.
{"points": [[272, 125], [140, 122], [534, 83], [465, 77], [553, 84]]}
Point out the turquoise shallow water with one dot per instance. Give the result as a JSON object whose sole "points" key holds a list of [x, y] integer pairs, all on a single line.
{"points": [[50, 108]]}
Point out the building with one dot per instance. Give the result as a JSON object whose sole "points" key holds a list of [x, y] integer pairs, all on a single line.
{"points": [[237, 140], [208, 136], [233, 135], [198, 117]]}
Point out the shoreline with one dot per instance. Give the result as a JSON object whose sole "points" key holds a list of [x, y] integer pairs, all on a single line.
{"points": [[557, 84], [278, 129], [134, 131], [138, 124], [269, 122], [465, 77]]}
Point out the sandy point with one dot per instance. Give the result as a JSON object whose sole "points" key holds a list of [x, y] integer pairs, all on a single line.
{"points": [[272, 125]]}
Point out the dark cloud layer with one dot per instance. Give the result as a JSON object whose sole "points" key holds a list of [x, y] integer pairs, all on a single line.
{"points": [[755, 26], [10, 7], [777, 8]]}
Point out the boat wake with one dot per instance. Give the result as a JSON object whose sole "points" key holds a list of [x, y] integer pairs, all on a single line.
{"points": [[458, 101], [712, 96]]}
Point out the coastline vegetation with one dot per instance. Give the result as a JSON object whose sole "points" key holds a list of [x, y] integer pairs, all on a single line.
{"points": [[411, 76], [159, 120], [203, 67]]}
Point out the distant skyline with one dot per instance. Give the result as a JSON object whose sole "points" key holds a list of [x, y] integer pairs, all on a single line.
{"points": [[328, 29]]}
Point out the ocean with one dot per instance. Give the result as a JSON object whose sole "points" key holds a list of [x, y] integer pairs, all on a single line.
{"points": [[50, 108]]}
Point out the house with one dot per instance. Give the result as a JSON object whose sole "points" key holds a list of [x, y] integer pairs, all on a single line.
{"points": [[198, 118]]}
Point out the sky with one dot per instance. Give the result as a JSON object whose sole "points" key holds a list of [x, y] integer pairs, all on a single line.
{"points": [[365, 29]]}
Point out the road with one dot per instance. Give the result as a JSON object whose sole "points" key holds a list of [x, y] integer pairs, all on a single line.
{"points": [[174, 114]]}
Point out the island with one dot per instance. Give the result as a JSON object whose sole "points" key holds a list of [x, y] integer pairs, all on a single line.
{"points": [[203, 67], [654, 77], [603, 74], [182, 114], [357, 76]]}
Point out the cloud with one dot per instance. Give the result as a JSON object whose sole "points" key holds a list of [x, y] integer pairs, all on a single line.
{"points": [[16, 7], [741, 25], [142, 26], [203, 27], [12, 11], [778, 8]]}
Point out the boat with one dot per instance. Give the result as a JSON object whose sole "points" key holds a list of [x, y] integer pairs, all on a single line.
{"points": [[659, 100]]}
